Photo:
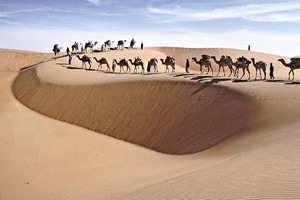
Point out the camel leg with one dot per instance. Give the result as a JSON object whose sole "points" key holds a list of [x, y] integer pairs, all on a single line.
{"points": [[207, 70], [223, 69], [167, 69], [243, 73], [289, 74], [260, 74], [212, 70], [265, 74], [293, 75], [219, 70], [248, 72], [255, 74], [201, 72], [231, 70]]}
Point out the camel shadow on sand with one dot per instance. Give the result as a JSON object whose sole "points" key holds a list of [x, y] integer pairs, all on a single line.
{"points": [[293, 83]]}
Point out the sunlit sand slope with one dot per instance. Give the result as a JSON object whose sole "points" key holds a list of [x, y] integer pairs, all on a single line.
{"points": [[173, 117]]}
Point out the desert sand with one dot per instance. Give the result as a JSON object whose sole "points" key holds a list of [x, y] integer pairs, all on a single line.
{"points": [[70, 133]]}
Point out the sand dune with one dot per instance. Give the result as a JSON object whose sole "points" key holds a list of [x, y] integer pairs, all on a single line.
{"points": [[14, 60], [249, 127], [167, 116]]}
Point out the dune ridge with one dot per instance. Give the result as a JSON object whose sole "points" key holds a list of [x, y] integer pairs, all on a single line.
{"points": [[14, 60], [175, 117]]}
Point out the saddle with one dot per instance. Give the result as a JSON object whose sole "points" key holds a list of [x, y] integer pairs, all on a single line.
{"points": [[295, 61], [224, 58], [205, 57], [169, 59], [242, 60]]}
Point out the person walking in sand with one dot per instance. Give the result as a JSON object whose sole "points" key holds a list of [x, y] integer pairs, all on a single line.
{"points": [[187, 66], [113, 66], [249, 47], [70, 59], [68, 51], [142, 46], [271, 71]]}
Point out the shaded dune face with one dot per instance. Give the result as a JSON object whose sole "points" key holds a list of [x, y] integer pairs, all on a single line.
{"points": [[169, 117]]}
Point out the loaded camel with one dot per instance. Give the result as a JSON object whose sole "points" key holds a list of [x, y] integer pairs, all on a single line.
{"points": [[204, 61], [241, 63], [85, 59], [137, 62], [132, 43], [258, 67], [153, 62], [89, 44], [223, 62], [294, 64], [75, 47], [101, 62], [123, 62], [56, 49], [120, 45], [107, 45], [169, 61]]}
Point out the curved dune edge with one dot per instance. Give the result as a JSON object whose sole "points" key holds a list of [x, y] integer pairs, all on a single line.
{"points": [[169, 117], [14, 60]]}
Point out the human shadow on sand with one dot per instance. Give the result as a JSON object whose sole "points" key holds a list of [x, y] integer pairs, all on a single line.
{"points": [[62, 64], [208, 83]]}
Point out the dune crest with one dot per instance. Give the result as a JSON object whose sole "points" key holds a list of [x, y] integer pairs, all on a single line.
{"points": [[174, 117], [14, 60]]}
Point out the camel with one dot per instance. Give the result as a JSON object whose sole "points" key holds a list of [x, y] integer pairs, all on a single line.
{"points": [[89, 44], [101, 62], [153, 62], [132, 43], [169, 61], [120, 45], [108, 44], [85, 59], [123, 62], [204, 61], [258, 67], [223, 62], [241, 63], [294, 64], [137, 62], [56, 49], [75, 46]]}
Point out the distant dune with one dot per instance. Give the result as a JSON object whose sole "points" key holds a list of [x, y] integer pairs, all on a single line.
{"points": [[14, 60]]}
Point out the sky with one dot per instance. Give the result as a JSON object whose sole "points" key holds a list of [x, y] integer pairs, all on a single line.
{"points": [[269, 26]]}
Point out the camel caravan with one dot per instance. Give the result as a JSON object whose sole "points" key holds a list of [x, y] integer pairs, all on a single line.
{"points": [[223, 62]]}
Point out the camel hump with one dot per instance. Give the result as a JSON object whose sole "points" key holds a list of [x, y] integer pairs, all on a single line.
{"points": [[170, 59], [242, 59], [205, 56], [295, 61]]}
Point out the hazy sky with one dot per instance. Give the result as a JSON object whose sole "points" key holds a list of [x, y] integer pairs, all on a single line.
{"points": [[268, 26]]}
